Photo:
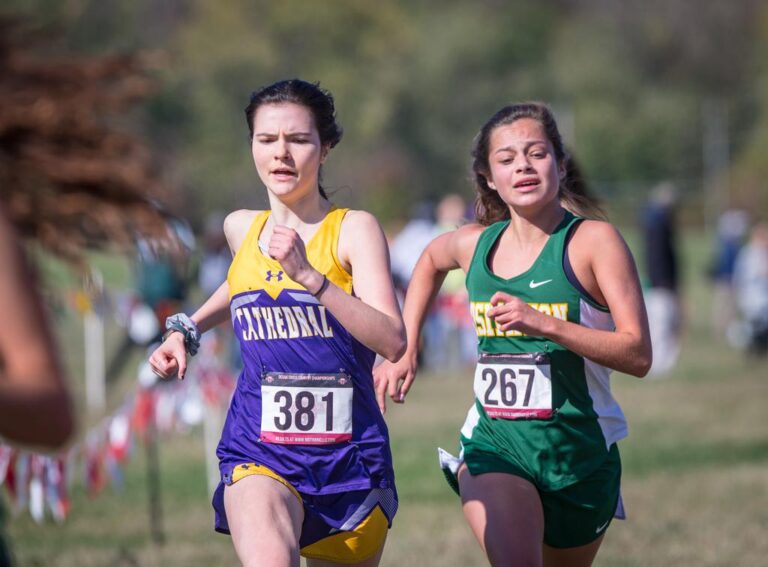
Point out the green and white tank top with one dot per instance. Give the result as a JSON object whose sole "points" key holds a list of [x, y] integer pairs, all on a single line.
{"points": [[547, 403]]}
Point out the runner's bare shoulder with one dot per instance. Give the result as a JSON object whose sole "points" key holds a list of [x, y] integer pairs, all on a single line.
{"points": [[359, 229], [236, 226], [591, 238], [463, 242]]}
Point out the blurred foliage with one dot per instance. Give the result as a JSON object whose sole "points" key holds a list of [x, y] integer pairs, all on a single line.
{"points": [[631, 83]]}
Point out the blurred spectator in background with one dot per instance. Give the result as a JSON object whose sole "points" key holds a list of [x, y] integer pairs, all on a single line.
{"points": [[411, 241], [214, 265], [448, 336], [162, 279], [732, 228], [163, 270], [215, 255], [750, 285], [662, 270], [405, 250], [451, 341]]}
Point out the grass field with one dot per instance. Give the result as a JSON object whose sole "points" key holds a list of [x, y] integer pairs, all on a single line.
{"points": [[695, 475]]}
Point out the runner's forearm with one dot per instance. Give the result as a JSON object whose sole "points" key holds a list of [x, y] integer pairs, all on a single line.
{"points": [[425, 283], [214, 311], [378, 331], [621, 351]]}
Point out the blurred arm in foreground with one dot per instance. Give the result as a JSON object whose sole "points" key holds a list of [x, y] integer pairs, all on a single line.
{"points": [[35, 407]]}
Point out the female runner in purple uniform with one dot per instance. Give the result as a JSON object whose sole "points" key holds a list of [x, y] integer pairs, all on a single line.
{"points": [[304, 456]]}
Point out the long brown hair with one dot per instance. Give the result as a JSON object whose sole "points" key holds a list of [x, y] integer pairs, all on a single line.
{"points": [[574, 193], [69, 178]]}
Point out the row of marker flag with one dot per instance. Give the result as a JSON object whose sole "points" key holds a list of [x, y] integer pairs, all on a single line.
{"points": [[42, 483]]}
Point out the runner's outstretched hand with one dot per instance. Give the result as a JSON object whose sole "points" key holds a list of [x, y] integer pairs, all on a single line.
{"points": [[395, 379], [170, 359]]}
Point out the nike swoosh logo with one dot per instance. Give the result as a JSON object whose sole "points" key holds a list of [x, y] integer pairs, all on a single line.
{"points": [[601, 528], [534, 284]]}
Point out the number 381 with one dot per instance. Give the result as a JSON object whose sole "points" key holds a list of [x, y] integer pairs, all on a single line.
{"points": [[300, 411]]}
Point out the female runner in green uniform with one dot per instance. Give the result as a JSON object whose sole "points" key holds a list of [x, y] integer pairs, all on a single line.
{"points": [[556, 303]]}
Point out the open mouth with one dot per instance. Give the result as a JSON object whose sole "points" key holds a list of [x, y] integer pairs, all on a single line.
{"points": [[523, 183], [283, 172]]}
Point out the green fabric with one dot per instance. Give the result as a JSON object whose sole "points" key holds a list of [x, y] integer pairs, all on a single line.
{"points": [[157, 281], [555, 452], [573, 516], [580, 513]]}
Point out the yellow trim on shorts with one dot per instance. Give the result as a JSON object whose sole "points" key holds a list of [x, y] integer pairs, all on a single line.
{"points": [[354, 546], [248, 469]]}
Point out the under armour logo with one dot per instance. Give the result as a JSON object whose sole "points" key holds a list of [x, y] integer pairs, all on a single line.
{"points": [[278, 275]]}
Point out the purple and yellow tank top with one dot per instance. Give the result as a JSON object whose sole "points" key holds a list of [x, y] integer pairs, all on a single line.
{"points": [[304, 405]]}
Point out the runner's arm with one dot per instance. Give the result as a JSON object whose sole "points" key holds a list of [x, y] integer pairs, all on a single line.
{"points": [[35, 406], [170, 358], [447, 252], [372, 314]]}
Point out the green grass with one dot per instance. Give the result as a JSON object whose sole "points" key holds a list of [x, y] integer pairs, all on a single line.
{"points": [[695, 474]]}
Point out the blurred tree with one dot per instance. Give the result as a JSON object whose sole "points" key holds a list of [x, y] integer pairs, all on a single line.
{"points": [[749, 171], [221, 55], [414, 81], [641, 76]]}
